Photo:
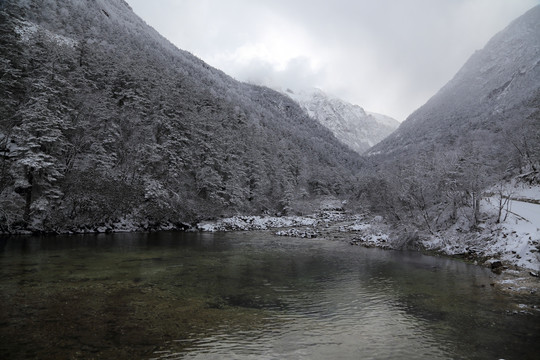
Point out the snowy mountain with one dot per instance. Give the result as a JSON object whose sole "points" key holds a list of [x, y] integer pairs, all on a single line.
{"points": [[106, 125], [351, 124], [481, 130], [491, 107]]}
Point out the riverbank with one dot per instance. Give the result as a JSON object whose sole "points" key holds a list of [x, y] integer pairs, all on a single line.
{"points": [[510, 253], [510, 248], [488, 246]]}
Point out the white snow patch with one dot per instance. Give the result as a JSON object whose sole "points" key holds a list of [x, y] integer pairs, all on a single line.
{"points": [[243, 223], [515, 240], [305, 233], [28, 29], [356, 227]]}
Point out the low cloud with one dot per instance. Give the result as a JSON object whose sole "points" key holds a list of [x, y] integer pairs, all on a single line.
{"points": [[296, 73], [387, 56]]}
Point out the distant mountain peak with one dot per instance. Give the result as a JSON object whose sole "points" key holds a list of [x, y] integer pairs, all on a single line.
{"points": [[350, 123]]}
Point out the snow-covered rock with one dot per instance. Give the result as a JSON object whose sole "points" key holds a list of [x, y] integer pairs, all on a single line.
{"points": [[308, 233], [244, 223]]}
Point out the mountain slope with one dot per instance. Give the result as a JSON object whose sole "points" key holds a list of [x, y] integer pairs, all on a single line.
{"points": [[107, 123], [480, 130], [353, 126], [494, 97]]}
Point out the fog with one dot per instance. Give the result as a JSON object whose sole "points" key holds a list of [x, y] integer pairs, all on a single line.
{"points": [[387, 56]]}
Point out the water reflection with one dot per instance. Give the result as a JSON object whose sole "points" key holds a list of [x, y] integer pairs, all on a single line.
{"points": [[246, 296]]}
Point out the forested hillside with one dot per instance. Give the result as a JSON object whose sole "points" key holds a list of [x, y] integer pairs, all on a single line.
{"points": [[481, 129], [103, 122]]}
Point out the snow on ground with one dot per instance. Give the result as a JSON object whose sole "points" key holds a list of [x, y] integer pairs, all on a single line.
{"points": [[520, 190], [372, 239], [242, 223], [308, 233], [517, 238], [355, 227], [514, 241], [322, 219]]}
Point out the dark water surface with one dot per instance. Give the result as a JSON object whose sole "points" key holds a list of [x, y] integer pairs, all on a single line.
{"points": [[250, 296]]}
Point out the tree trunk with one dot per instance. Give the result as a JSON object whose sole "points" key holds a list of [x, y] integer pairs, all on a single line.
{"points": [[28, 198], [476, 208]]}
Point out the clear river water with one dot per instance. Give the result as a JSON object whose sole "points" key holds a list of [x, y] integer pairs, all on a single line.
{"points": [[250, 295]]}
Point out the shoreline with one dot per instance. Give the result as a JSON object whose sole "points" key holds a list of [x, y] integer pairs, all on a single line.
{"points": [[357, 230], [373, 232]]}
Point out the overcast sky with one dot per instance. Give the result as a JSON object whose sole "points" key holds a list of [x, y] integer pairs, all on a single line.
{"points": [[388, 56]]}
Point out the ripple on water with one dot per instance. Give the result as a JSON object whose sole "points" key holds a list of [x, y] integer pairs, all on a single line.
{"points": [[249, 296]]}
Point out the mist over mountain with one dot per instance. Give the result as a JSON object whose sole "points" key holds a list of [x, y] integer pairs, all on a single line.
{"points": [[480, 130], [493, 100], [105, 122], [351, 124]]}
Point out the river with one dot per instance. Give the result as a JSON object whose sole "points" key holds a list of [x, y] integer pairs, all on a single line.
{"points": [[250, 295]]}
